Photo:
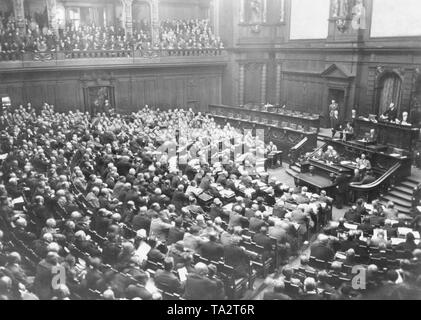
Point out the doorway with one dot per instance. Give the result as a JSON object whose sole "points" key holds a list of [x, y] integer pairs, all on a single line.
{"points": [[95, 98], [339, 96]]}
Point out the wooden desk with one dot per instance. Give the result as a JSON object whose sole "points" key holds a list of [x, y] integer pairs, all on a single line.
{"points": [[398, 136], [283, 137], [379, 155], [308, 122], [315, 183], [328, 168]]}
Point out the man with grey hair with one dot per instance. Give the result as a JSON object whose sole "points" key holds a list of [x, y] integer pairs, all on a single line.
{"points": [[199, 286], [321, 250], [278, 292], [310, 290]]}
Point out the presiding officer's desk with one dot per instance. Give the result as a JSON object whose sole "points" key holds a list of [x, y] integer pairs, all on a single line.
{"points": [[391, 134]]}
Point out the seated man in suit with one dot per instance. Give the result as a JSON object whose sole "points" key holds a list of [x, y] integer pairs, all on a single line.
{"points": [[199, 286], [330, 155], [166, 280], [321, 249], [212, 250], [372, 138], [391, 212], [348, 132], [390, 114], [405, 121], [271, 148]]}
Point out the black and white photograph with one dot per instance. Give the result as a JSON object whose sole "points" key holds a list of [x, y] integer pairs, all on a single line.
{"points": [[230, 152]]}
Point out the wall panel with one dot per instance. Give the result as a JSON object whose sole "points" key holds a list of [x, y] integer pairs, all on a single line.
{"points": [[162, 87]]}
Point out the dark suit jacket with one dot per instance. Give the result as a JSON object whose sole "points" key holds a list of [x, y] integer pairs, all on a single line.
{"points": [[321, 252], [391, 114], [175, 234], [167, 281], [237, 258], [212, 250], [255, 224], [200, 288], [138, 291]]}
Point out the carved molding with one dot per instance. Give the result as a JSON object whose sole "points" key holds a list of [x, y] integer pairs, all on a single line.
{"points": [[96, 78]]}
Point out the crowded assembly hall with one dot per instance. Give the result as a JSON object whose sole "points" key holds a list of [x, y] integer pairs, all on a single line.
{"points": [[210, 150]]}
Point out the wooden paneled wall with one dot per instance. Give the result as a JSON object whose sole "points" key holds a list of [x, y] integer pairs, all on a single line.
{"points": [[195, 87]]}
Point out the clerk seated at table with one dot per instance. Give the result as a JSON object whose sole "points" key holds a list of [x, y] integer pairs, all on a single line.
{"points": [[271, 148], [391, 114], [348, 133], [405, 120], [330, 155], [372, 137]]}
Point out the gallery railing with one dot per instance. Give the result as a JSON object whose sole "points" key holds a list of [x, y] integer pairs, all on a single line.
{"points": [[95, 54]]}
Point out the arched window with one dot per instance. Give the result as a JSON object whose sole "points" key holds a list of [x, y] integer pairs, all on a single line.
{"points": [[389, 90]]}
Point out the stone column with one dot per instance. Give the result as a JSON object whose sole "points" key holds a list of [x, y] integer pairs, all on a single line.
{"points": [[128, 16], [265, 11], [282, 17], [19, 13], [154, 4], [264, 82], [278, 83], [241, 85], [52, 15], [214, 11], [242, 12]]}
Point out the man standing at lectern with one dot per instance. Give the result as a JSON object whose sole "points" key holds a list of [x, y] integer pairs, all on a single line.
{"points": [[391, 114]]}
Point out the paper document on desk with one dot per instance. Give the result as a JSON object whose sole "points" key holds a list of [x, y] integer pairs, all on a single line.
{"points": [[351, 226], [182, 274], [340, 256], [143, 250], [228, 207], [397, 241], [18, 201], [404, 231]]}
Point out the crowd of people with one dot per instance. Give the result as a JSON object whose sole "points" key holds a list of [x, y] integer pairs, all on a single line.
{"points": [[106, 198], [174, 34], [371, 253], [116, 202], [190, 34]]}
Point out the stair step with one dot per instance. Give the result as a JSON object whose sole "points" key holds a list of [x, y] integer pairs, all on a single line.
{"points": [[292, 172], [409, 184], [413, 181], [401, 209], [397, 201], [401, 195], [295, 168], [404, 189]]}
